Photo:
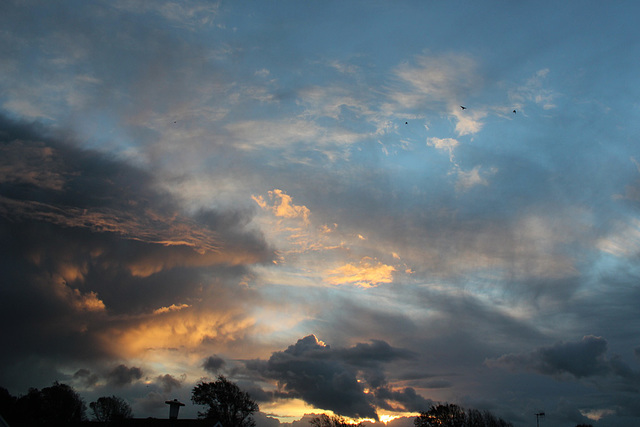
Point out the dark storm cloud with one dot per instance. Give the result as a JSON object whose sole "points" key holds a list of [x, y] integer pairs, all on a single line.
{"points": [[583, 359], [372, 353], [122, 375], [168, 382], [405, 400], [329, 378], [86, 378], [213, 364], [306, 370], [91, 243]]}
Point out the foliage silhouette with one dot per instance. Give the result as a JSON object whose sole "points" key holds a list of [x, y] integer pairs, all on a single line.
{"points": [[55, 405], [325, 420], [111, 408], [451, 415], [227, 403], [7, 404]]}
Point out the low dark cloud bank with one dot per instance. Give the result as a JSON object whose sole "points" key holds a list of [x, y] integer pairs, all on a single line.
{"points": [[583, 359], [336, 379]]}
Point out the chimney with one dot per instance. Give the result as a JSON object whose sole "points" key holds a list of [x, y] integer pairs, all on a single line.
{"points": [[174, 407]]}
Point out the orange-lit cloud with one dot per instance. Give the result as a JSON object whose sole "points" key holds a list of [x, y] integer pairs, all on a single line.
{"points": [[367, 273], [87, 301], [172, 307], [186, 329], [33, 164], [282, 206], [150, 227], [155, 261]]}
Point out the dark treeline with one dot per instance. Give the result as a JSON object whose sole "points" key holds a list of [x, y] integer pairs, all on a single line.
{"points": [[58, 405], [450, 415], [55, 405], [61, 405]]}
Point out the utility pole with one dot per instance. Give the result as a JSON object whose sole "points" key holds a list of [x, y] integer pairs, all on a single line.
{"points": [[538, 416]]}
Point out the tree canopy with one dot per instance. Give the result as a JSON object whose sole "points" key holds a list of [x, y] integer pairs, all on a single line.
{"points": [[226, 403], [111, 408], [451, 415], [325, 420], [55, 405]]}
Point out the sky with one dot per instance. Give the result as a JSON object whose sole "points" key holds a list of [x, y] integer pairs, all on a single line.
{"points": [[290, 194]]}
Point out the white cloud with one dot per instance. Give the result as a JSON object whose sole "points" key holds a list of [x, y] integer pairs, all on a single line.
{"points": [[444, 144], [436, 79], [469, 179], [190, 15], [330, 101], [252, 134], [623, 241], [468, 122], [534, 91]]}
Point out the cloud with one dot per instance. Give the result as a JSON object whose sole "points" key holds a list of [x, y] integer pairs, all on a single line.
{"points": [[623, 240], [335, 379], [213, 364], [368, 273], [86, 378], [103, 263], [122, 375], [172, 307], [306, 370], [185, 330], [335, 102], [282, 206], [29, 163], [432, 79], [253, 134], [579, 360], [169, 382], [534, 91], [444, 144], [373, 353], [189, 15], [468, 122], [401, 400], [469, 179]]}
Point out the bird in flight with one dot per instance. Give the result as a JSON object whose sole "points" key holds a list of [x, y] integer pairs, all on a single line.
{"points": [[514, 111], [464, 108]]}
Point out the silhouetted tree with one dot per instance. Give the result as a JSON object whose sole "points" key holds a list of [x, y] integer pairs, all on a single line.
{"points": [[477, 418], [55, 405], [325, 420], [110, 408], [450, 415], [7, 405], [227, 403]]}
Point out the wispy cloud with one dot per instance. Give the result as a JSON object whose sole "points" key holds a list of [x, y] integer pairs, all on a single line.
{"points": [[437, 80]]}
